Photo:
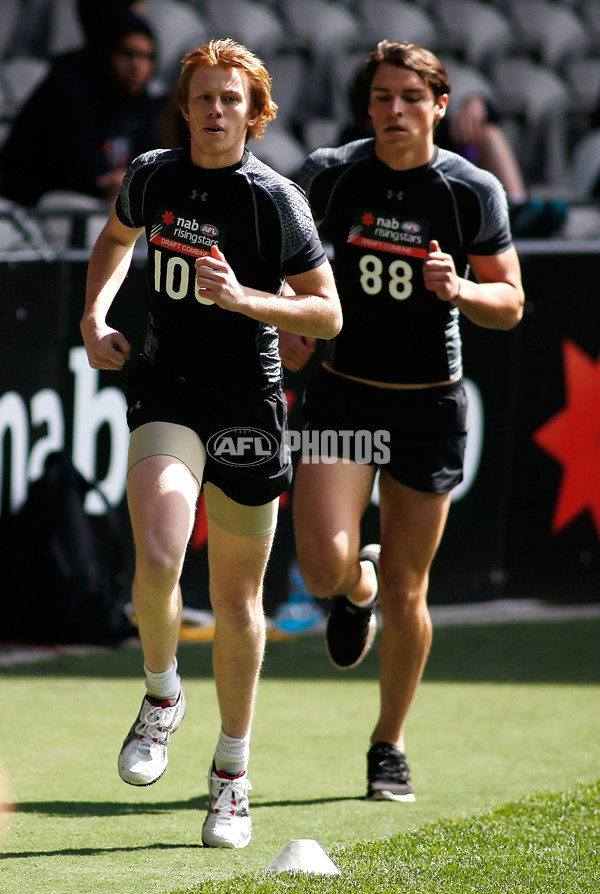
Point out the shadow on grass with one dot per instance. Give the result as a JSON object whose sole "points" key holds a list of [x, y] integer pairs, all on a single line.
{"points": [[517, 652], [97, 851], [109, 808], [73, 809]]}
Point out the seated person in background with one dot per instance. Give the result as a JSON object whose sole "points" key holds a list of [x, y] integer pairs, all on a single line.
{"points": [[88, 119], [473, 130], [93, 14]]}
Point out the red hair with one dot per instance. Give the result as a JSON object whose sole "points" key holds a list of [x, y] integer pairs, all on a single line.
{"points": [[231, 54]]}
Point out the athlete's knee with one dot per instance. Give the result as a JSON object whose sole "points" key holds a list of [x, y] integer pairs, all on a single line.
{"points": [[403, 603], [240, 610], [158, 565], [325, 572], [318, 585]]}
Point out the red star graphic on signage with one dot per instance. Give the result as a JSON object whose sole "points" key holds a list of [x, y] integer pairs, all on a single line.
{"points": [[367, 219], [572, 437], [168, 218]]}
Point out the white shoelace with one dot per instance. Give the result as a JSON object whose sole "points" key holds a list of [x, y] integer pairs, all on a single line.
{"points": [[155, 723], [232, 799]]}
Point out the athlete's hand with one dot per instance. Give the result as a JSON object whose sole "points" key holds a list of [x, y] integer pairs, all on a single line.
{"points": [[106, 348], [439, 272], [217, 280], [295, 350], [468, 122]]}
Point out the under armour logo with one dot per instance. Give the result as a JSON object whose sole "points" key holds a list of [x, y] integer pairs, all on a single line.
{"points": [[395, 195], [198, 195]]}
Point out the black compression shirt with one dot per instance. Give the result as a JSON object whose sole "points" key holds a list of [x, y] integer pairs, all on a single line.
{"points": [[379, 222], [262, 224]]}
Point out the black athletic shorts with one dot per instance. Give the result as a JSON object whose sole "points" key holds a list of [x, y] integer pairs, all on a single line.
{"points": [[242, 429], [423, 429]]}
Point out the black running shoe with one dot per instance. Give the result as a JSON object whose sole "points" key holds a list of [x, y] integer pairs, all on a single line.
{"points": [[388, 776], [350, 629]]}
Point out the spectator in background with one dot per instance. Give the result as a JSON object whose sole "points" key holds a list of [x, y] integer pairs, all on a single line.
{"points": [[89, 118], [473, 130], [92, 14]]}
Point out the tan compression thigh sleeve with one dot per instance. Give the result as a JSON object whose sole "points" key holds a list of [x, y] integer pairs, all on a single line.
{"points": [[168, 439], [248, 521]]}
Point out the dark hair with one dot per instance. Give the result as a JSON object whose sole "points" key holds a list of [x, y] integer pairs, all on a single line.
{"points": [[105, 25], [407, 55], [124, 22], [232, 55]]}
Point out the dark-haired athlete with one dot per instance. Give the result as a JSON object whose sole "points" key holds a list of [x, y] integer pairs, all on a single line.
{"points": [[214, 217], [406, 221]]}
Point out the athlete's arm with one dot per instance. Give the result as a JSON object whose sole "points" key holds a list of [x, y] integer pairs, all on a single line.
{"points": [[109, 262], [311, 307], [495, 301], [295, 350]]}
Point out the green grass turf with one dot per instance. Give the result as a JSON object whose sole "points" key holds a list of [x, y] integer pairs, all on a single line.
{"points": [[545, 844], [504, 712]]}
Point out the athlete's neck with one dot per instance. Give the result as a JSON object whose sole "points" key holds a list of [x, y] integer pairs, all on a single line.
{"points": [[399, 159]]}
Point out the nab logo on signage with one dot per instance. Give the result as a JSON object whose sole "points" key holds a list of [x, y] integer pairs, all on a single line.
{"points": [[242, 447]]}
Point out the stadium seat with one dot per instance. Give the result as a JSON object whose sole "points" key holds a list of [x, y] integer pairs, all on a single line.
{"points": [[19, 76], [398, 20], [583, 77], [342, 68], [536, 88], [323, 23], [538, 99], [64, 28], [9, 16], [327, 28], [256, 25], [71, 219], [289, 71], [178, 28], [11, 237], [280, 150], [482, 31], [320, 132], [20, 232], [583, 169], [589, 11], [559, 32], [466, 81]]}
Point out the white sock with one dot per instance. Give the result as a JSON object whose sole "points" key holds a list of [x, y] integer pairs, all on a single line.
{"points": [[368, 602], [165, 686], [232, 755]]}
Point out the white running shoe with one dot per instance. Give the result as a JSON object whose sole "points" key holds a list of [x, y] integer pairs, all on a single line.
{"points": [[228, 822], [144, 757]]}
